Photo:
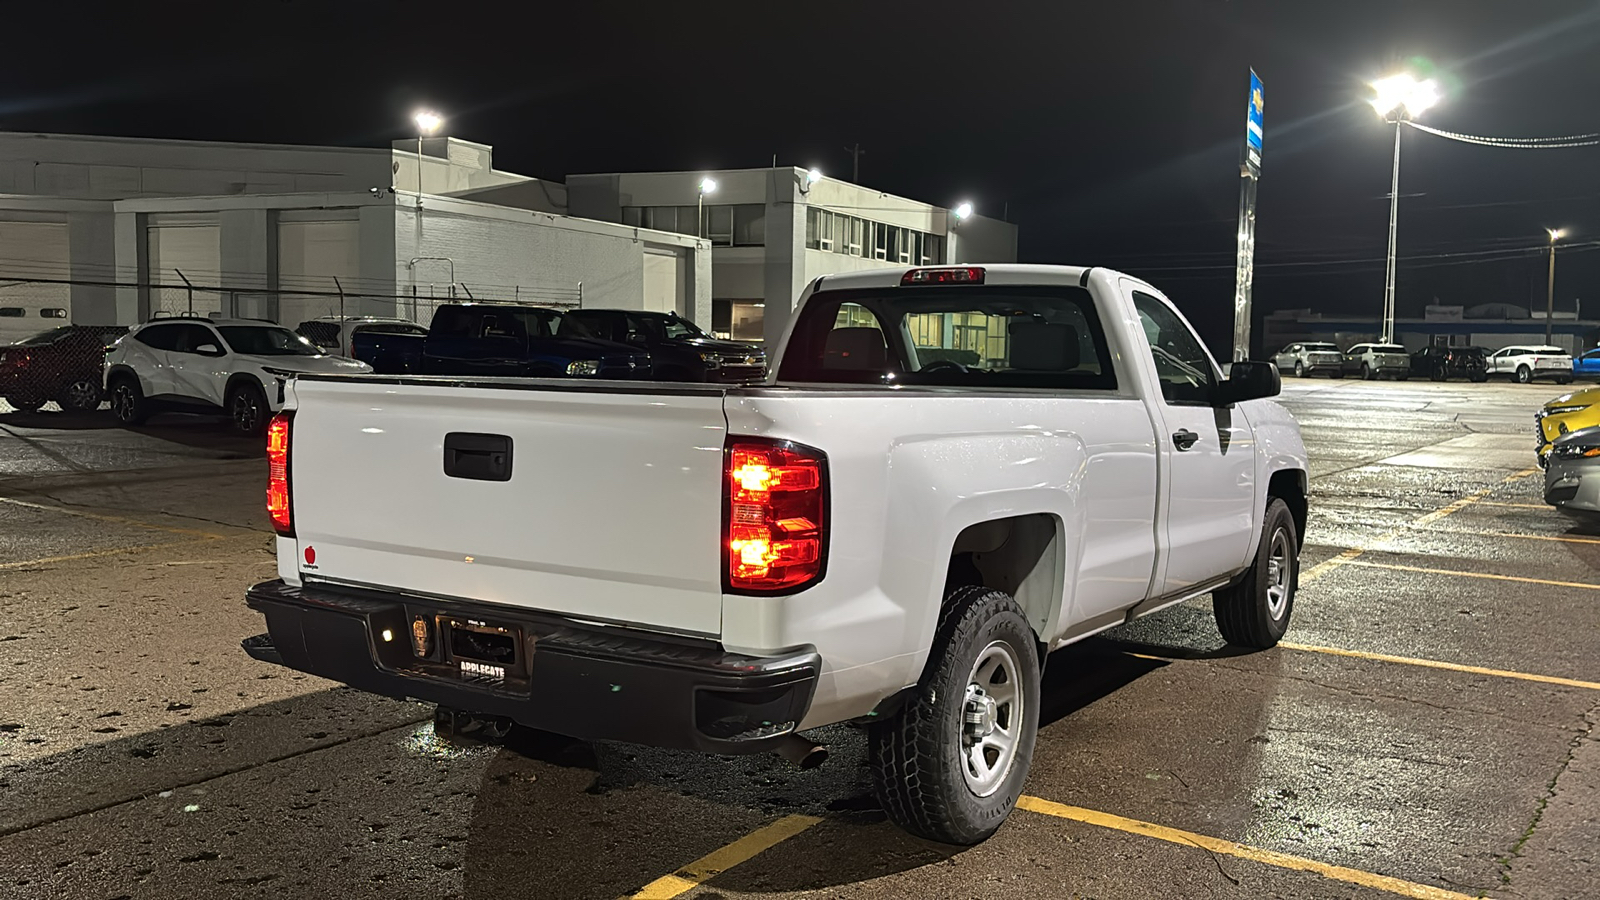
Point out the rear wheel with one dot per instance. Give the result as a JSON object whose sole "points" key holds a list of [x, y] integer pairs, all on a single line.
{"points": [[1367, 374], [82, 395], [1299, 369], [26, 403], [1524, 375], [1438, 374], [950, 765], [1479, 377], [1563, 379], [127, 401], [247, 409], [1255, 612]]}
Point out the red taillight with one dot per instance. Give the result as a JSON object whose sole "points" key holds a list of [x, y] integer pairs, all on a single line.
{"points": [[278, 474], [775, 500], [947, 275]]}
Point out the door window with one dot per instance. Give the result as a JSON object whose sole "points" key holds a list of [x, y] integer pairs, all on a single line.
{"points": [[161, 337], [1182, 364], [190, 337]]}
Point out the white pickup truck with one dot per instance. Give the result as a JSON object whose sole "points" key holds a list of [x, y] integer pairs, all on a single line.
{"points": [[951, 472]]}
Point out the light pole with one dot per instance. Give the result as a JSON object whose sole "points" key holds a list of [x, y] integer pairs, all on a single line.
{"points": [[428, 122], [707, 186], [1397, 99], [1556, 234], [961, 213]]}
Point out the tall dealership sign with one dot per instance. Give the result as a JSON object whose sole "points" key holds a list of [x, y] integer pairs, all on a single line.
{"points": [[1244, 269]]}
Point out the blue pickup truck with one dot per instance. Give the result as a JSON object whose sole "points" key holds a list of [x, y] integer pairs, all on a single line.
{"points": [[501, 339]]}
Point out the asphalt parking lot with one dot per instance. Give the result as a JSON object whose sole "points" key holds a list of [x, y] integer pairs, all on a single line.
{"points": [[1427, 731]]}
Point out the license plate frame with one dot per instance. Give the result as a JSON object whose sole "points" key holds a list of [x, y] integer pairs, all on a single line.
{"points": [[477, 650]]}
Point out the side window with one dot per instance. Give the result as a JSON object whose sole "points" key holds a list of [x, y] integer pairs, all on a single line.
{"points": [[161, 337], [452, 321], [1182, 363], [190, 337]]}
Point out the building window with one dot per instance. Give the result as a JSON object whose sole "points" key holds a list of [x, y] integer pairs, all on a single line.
{"points": [[738, 320], [726, 225], [838, 233]]}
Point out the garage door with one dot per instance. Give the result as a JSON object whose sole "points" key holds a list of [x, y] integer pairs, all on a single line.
{"points": [[194, 250], [32, 250], [310, 256], [663, 282]]}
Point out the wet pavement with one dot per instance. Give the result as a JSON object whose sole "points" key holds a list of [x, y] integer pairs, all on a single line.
{"points": [[1428, 729]]}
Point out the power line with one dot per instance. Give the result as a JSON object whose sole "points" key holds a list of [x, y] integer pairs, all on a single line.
{"points": [[1534, 143]]}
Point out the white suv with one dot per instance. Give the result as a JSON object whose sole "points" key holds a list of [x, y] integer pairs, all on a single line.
{"points": [[210, 366], [1525, 363]]}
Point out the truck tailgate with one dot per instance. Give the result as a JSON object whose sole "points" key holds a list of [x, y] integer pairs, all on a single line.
{"points": [[613, 508]]}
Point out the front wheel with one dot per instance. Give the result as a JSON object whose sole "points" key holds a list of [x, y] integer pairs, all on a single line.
{"points": [[1480, 377], [247, 409], [127, 402], [950, 765], [1255, 612], [1299, 369], [1524, 375]]}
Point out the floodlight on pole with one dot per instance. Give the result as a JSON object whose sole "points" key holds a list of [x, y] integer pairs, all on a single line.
{"points": [[963, 210], [708, 185], [1556, 234], [427, 122], [1397, 99]]}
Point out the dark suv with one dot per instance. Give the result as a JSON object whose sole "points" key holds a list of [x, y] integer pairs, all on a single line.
{"points": [[680, 350], [63, 364], [506, 339], [1440, 363]]}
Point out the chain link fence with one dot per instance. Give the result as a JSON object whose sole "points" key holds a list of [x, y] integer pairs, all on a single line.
{"points": [[48, 362]]}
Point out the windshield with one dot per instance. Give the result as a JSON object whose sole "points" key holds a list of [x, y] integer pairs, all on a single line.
{"points": [[390, 328], [46, 337], [672, 327], [972, 336], [267, 340]]}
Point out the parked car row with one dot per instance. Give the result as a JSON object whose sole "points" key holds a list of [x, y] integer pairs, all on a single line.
{"points": [[62, 364], [1522, 363]]}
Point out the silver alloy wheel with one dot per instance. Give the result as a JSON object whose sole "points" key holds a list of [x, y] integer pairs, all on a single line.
{"points": [[123, 401], [84, 394], [246, 412], [1299, 369], [991, 718], [1280, 574]]}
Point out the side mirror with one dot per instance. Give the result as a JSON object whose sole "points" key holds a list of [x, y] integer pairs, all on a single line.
{"points": [[1248, 380], [208, 350]]}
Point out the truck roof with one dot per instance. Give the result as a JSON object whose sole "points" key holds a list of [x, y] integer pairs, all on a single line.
{"points": [[994, 273]]}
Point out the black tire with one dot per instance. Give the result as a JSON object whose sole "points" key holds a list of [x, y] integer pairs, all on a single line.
{"points": [[1480, 378], [1367, 374], [247, 410], [1524, 375], [1437, 375], [921, 757], [127, 401], [1299, 369], [1248, 614], [1403, 376], [1563, 379], [26, 403], [81, 395]]}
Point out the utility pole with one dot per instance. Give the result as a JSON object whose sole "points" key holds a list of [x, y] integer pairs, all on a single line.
{"points": [[855, 162], [1556, 234]]}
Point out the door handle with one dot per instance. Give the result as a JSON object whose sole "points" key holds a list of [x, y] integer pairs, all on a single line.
{"points": [[1183, 438]]}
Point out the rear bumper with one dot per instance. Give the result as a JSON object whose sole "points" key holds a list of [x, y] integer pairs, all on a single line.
{"points": [[584, 681]]}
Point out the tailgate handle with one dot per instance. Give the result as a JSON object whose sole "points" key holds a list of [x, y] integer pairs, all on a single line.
{"points": [[480, 457]]}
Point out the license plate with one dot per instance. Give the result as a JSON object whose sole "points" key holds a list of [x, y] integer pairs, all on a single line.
{"points": [[484, 651]]}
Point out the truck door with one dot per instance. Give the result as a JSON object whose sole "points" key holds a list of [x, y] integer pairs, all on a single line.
{"points": [[1207, 453]]}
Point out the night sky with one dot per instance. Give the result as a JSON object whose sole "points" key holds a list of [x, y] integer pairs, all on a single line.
{"points": [[1108, 132]]}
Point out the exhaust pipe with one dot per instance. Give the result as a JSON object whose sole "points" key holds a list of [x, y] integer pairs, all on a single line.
{"points": [[801, 752]]}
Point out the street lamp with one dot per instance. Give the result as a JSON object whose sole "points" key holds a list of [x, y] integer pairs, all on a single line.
{"points": [[963, 210], [1397, 99], [708, 185], [1556, 234], [428, 122], [812, 177]]}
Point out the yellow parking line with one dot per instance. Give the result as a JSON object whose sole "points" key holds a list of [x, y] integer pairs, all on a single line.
{"points": [[1242, 851], [1322, 568], [1564, 538], [1399, 568], [119, 520], [1436, 664], [45, 560], [1515, 505], [722, 859]]}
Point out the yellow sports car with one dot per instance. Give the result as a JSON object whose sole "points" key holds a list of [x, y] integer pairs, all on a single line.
{"points": [[1568, 412]]}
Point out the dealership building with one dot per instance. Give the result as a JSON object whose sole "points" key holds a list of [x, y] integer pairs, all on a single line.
{"points": [[110, 230]]}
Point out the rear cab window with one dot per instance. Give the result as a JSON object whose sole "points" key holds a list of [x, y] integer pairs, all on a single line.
{"points": [[982, 336]]}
